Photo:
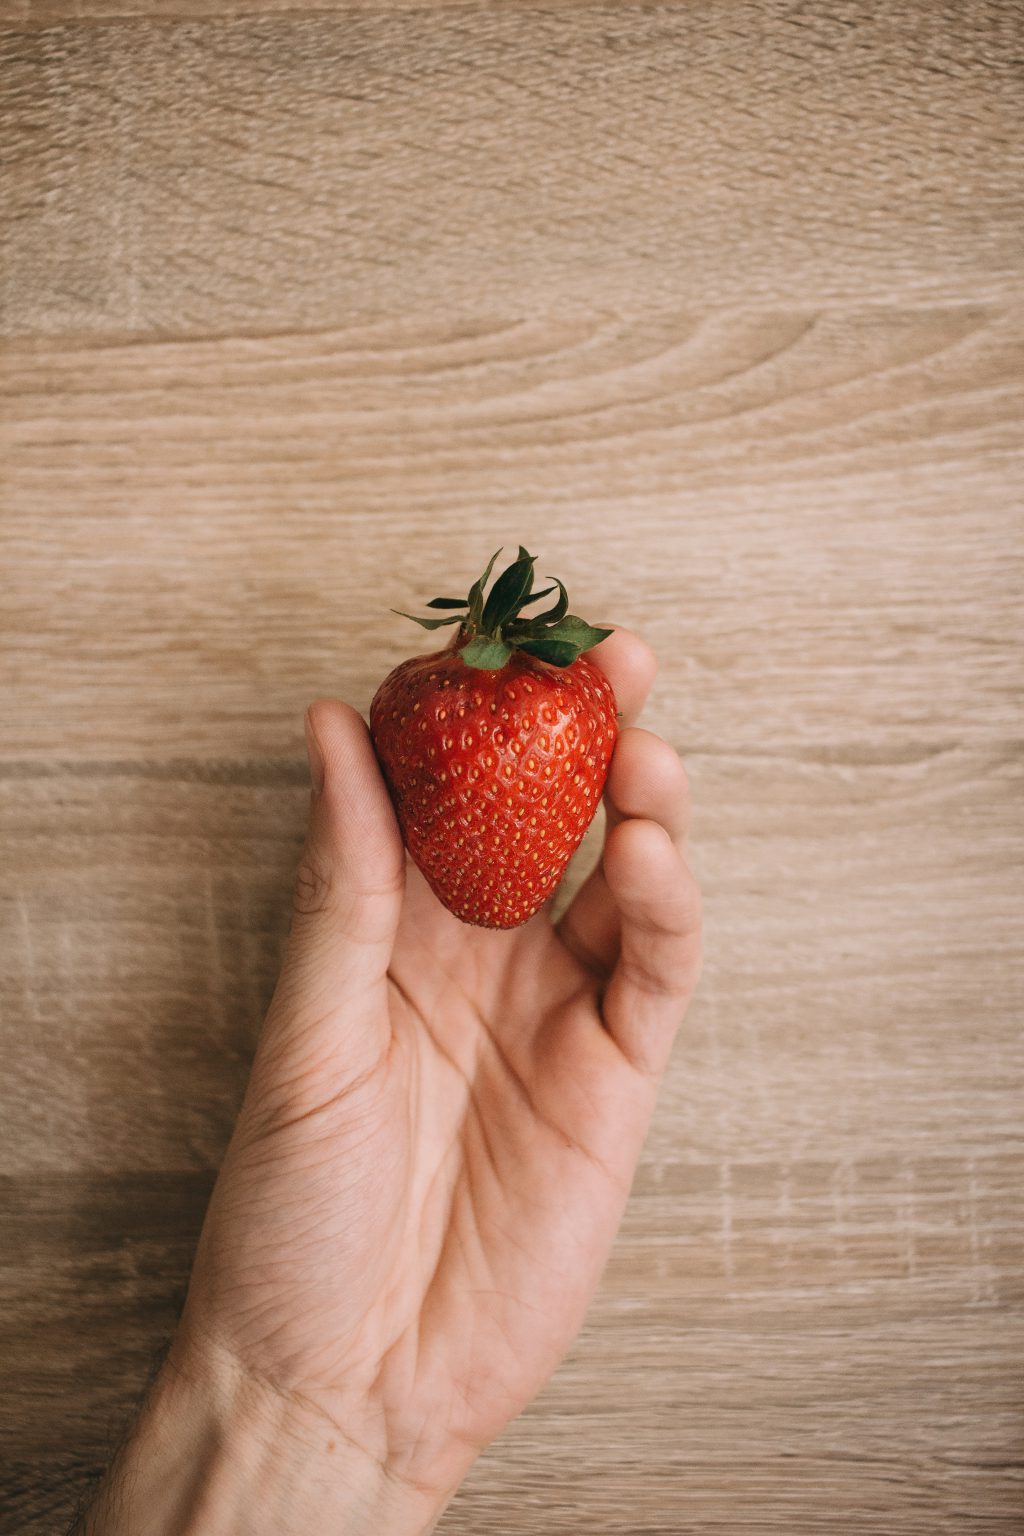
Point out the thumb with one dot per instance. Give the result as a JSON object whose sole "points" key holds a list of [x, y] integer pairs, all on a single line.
{"points": [[348, 899]]}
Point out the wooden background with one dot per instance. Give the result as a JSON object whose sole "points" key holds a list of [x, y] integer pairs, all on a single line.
{"points": [[719, 307]]}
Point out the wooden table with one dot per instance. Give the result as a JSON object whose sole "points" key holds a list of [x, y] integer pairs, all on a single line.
{"points": [[719, 308]]}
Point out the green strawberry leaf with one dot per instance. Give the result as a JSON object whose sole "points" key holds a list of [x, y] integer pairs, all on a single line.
{"points": [[489, 655], [507, 593], [476, 593], [533, 597], [561, 653], [456, 618], [578, 632], [553, 615], [493, 626], [518, 630]]}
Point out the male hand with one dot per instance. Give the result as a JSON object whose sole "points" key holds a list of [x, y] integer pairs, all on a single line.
{"points": [[436, 1144]]}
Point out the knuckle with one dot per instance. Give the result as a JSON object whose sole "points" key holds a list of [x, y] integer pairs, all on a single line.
{"points": [[312, 885], [653, 981]]}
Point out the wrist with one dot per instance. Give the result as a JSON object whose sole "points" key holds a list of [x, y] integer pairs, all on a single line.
{"points": [[217, 1453]]}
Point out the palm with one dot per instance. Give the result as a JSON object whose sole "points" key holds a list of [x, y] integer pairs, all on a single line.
{"points": [[445, 1214], [525, 1122]]}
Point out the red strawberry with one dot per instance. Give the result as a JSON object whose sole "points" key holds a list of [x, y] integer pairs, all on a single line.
{"points": [[496, 750]]}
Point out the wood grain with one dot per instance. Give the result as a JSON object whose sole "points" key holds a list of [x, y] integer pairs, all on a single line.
{"points": [[300, 311], [281, 172], [781, 476]]}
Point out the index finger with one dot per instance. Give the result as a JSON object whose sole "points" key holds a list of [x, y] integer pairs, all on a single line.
{"points": [[629, 665]]}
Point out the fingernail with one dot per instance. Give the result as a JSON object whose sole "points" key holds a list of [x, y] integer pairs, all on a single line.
{"points": [[316, 756]]}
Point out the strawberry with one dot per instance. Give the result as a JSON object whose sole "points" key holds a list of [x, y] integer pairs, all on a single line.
{"points": [[496, 750]]}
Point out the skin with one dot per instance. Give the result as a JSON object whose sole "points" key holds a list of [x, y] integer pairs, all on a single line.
{"points": [[432, 1159]]}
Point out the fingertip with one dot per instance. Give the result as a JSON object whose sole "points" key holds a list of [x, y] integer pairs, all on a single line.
{"points": [[629, 665], [315, 754], [647, 779], [340, 735], [645, 869], [351, 789], [327, 717]]}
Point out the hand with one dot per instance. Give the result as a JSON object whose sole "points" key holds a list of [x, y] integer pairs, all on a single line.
{"points": [[441, 1126]]}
